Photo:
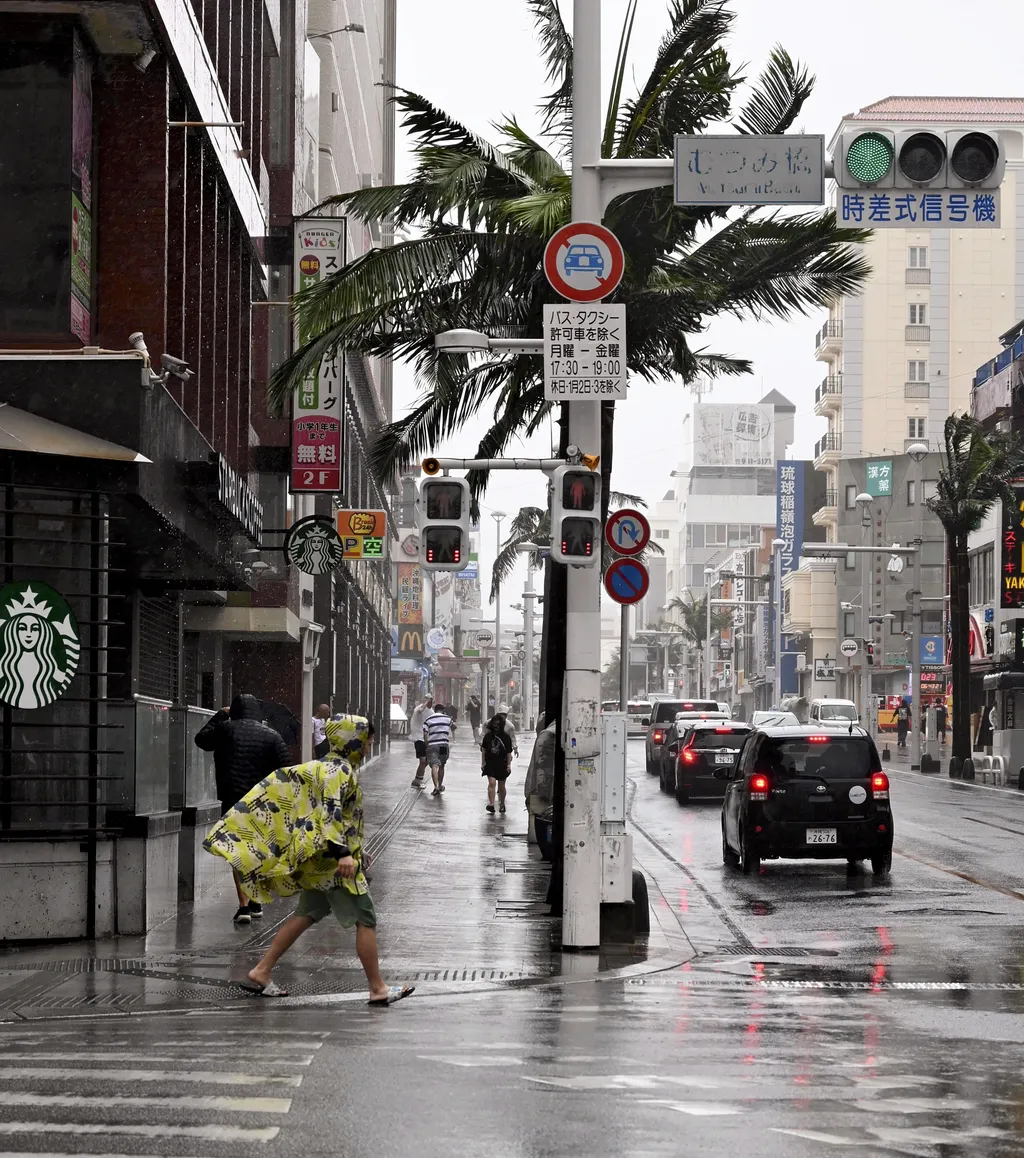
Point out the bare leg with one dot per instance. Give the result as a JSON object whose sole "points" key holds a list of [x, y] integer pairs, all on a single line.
{"points": [[440, 775], [243, 900], [283, 940], [421, 768], [491, 785], [501, 793], [366, 947], [433, 775]]}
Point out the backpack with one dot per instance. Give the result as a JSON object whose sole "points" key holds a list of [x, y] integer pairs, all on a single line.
{"points": [[493, 747]]}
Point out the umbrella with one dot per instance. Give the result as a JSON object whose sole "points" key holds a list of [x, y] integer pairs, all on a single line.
{"points": [[282, 720]]}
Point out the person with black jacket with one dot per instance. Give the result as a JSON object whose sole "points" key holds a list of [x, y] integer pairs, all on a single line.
{"points": [[245, 751]]}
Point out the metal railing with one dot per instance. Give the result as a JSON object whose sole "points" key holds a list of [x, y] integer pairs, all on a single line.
{"points": [[917, 333], [831, 499], [919, 277], [826, 443], [828, 330], [832, 384], [916, 389]]}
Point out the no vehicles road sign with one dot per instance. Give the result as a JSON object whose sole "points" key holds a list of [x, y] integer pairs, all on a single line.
{"points": [[627, 532], [626, 581], [584, 261]]}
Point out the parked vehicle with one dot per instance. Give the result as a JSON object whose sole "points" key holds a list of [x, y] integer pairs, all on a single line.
{"points": [[829, 713], [663, 714], [805, 792], [696, 752]]}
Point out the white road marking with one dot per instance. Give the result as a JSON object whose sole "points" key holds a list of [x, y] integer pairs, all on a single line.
{"points": [[149, 1057], [209, 1133], [915, 1105], [828, 1139], [470, 1062], [211, 1102], [212, 1076], [597, 1082], [256, 1034], [695, 1109]]}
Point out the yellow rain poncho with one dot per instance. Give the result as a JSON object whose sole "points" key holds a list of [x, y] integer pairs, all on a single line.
{"points": [[277, 836]]}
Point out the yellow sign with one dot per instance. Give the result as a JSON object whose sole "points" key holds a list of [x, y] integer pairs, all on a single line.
{"points": [[363, 533]]}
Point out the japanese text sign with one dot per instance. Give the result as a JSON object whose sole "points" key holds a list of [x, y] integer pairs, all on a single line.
{"points": [[789, 527], [900, 208], [879, 478], [317, 402], [584, 352], [1012, 568], [363, 533], [749, 170]]}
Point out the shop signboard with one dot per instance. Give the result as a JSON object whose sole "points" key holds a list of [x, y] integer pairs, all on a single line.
{"points": [[40, 645], [1012, 569], [789, 526], [879, 478]]}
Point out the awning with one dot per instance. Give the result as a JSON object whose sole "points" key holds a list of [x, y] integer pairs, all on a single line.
{"points": [[20, 430]]}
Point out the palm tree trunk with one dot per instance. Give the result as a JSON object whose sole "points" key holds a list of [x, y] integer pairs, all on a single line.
{"points": [[959, 602]]}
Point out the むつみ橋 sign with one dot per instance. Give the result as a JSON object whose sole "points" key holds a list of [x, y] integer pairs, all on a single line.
{"points": [[39, 645]]}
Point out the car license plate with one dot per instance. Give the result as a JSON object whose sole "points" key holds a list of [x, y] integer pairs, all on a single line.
{"points": [[723, 758], [821, 836]]}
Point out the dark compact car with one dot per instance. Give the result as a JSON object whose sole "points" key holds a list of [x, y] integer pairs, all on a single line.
{"points": [[695, 752], [663, 715], [798, 792]]}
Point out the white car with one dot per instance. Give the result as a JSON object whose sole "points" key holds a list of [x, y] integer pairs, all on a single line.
{"points": [[832, 714]]}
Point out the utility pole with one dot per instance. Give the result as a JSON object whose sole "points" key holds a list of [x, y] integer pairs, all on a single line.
{"points": [[708, 572], [497, 516], [863, 500], [777, 545], [624, 658], [917, 452]]}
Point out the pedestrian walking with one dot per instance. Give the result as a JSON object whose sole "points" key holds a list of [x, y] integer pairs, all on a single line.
{"points": [[301, 831], [437, 735], [320, 744], [940, 721], [419, 714], [902, 719], [475, 712], [245, 750], [510, 727], [496, 759]]}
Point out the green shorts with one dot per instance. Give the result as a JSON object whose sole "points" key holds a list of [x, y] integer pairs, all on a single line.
{"points": [[348, 908]]}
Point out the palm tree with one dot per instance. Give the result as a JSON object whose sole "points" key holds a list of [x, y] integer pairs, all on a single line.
{"points": [[975, 473], [693, 626]]}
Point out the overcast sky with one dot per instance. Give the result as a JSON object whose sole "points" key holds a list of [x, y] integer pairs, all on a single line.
{"points": [[478, 60]]}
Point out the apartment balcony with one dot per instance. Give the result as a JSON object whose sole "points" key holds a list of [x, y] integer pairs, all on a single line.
{"points": [[917, 334], [919, 277], [917, 389], [827, 451], [827, 515], [828, 341], [828, 397]]}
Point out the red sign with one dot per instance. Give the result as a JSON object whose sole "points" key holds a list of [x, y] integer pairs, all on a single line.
{"points": [[627, 581], [627, 532], [584, 261]]}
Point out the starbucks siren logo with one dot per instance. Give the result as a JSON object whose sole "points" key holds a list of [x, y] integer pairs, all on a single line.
{"points": [[314, 546], [39, 645]]}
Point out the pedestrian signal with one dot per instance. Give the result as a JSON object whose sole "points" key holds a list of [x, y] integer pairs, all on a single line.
{"points": [[443, 522], [871, 654], [576, 516]]}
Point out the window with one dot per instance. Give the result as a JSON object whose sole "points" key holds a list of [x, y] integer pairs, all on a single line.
{"points": [[696, 571], [849, 624], [917, 314], [916, 426], [982, 576], [668, 581], [917, 257], [896, 623], [929, 488], [851, 496], [931, 622], [911, 493], [663, 534], [716, 534], [917, 371], [737, 534]]}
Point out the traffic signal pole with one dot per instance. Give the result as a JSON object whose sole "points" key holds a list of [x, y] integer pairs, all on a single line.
{"points": [[581, 881]]}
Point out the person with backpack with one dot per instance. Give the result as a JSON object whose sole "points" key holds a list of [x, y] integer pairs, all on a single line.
{"points": [[437, 735], [902, 718], [496, 759]]}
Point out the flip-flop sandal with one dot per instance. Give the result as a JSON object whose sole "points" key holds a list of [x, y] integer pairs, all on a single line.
{"points": [[271, 989], [395, 993]]}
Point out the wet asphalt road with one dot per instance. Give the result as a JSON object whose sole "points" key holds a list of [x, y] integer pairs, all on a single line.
{"points": [[821, 1013]]}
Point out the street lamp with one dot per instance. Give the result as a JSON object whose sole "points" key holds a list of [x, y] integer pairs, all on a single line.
{"points": [[497, 516], [708, 572], [777, 545], [335, 31], [917, 451]]}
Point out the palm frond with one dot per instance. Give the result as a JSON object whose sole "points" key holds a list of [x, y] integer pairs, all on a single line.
{"points": [[556, 48], [530, 525], [611, 119], [779, 96]]}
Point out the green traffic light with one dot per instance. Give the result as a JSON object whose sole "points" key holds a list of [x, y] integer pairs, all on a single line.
{"points": [[869, 158]]}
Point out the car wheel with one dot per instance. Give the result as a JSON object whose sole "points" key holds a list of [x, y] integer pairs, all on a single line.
{"points": [[882, 864], [661, 780], [682, 796], [728, 856], [750, 862]]}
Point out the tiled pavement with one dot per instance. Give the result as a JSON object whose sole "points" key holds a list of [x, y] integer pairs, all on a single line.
{"points": [[459, 896]]}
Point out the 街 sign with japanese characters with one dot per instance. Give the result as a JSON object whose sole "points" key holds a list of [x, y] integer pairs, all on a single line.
{"points": [[1012, 584], [750, 170], [898, 207], [584, 352], [317, 405]]}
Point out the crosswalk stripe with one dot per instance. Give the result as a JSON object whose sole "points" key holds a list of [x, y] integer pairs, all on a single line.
{"points": [[210, 1102], [218, 1079], [208, 1133], [67, 1154], [151, 1057], [258, 1034]]}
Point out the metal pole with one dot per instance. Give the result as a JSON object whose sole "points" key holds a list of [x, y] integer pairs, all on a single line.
{"points": [[497, 516], [624, 657], [581, 888], [916, 698], [865, 611], [528, 598], [777, 690], [707, 634]]}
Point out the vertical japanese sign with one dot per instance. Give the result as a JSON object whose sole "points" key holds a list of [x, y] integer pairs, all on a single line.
{"points": [[409, 610], [81, 193], [789, 526], [317, 403], [1012, 568], [879, 478]]}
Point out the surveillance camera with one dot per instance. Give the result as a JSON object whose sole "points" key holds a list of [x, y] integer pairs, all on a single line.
{"points": [[846, 606], [138, 342], [176, 366], [145, 58]]}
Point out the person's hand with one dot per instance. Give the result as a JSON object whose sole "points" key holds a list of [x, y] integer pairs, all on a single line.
{"points": [[347, 867]]}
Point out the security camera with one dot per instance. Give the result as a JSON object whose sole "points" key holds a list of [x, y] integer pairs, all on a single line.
{"points": [[176, 366], [138, 342], [846, 606], [145, 58]]}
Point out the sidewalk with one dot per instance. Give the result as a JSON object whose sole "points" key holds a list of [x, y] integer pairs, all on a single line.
{"points": [[459, 895]]}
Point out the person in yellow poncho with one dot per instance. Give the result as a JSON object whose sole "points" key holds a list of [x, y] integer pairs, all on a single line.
{"points": [[301, 831]]}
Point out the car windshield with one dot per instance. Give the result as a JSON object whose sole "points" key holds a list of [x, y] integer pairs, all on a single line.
{"points": [[639, 709], [845, 757], [667, 710], [717, 740], [838, 711], [775, 720]]}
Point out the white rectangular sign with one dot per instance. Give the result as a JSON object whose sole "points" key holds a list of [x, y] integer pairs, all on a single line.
{"points": [[748, 170], [584, 352], [919, 208]]}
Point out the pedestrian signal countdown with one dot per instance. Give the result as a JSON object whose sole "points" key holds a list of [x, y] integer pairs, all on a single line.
{"points": [[576, 516], [443, 522]]}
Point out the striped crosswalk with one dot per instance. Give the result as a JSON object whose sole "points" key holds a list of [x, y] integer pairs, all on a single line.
{"points": [[148, 1088]]}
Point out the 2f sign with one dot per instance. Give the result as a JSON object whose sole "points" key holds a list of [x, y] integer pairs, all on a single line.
{"points": [[318, 479]]}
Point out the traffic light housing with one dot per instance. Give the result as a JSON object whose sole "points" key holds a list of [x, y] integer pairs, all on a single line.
{"points": [[919, 158], [871, 654], [442, 516], [576, 516]]}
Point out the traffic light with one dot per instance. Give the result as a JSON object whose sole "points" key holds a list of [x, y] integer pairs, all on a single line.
{"points": [[576, 516], [442, 515], [919, 159], [871, 654]]}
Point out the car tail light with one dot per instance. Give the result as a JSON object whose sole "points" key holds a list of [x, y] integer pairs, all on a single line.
{"points": [[880, 786], [723, 731], [658, 737], [758, 788], [689, 755]]}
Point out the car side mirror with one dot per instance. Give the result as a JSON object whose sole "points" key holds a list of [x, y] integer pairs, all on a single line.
{"points": [[645, 722]]}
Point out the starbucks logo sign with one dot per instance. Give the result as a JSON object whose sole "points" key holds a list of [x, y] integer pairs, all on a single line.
{"points": [[314, 545], [39, 645]]}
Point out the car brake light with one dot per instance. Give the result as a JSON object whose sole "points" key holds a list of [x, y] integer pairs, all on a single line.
{"points": [[687, 706], [723, 731], [758, 789], [880, 786], [689, 755], [658, 737], [818, 739]]}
